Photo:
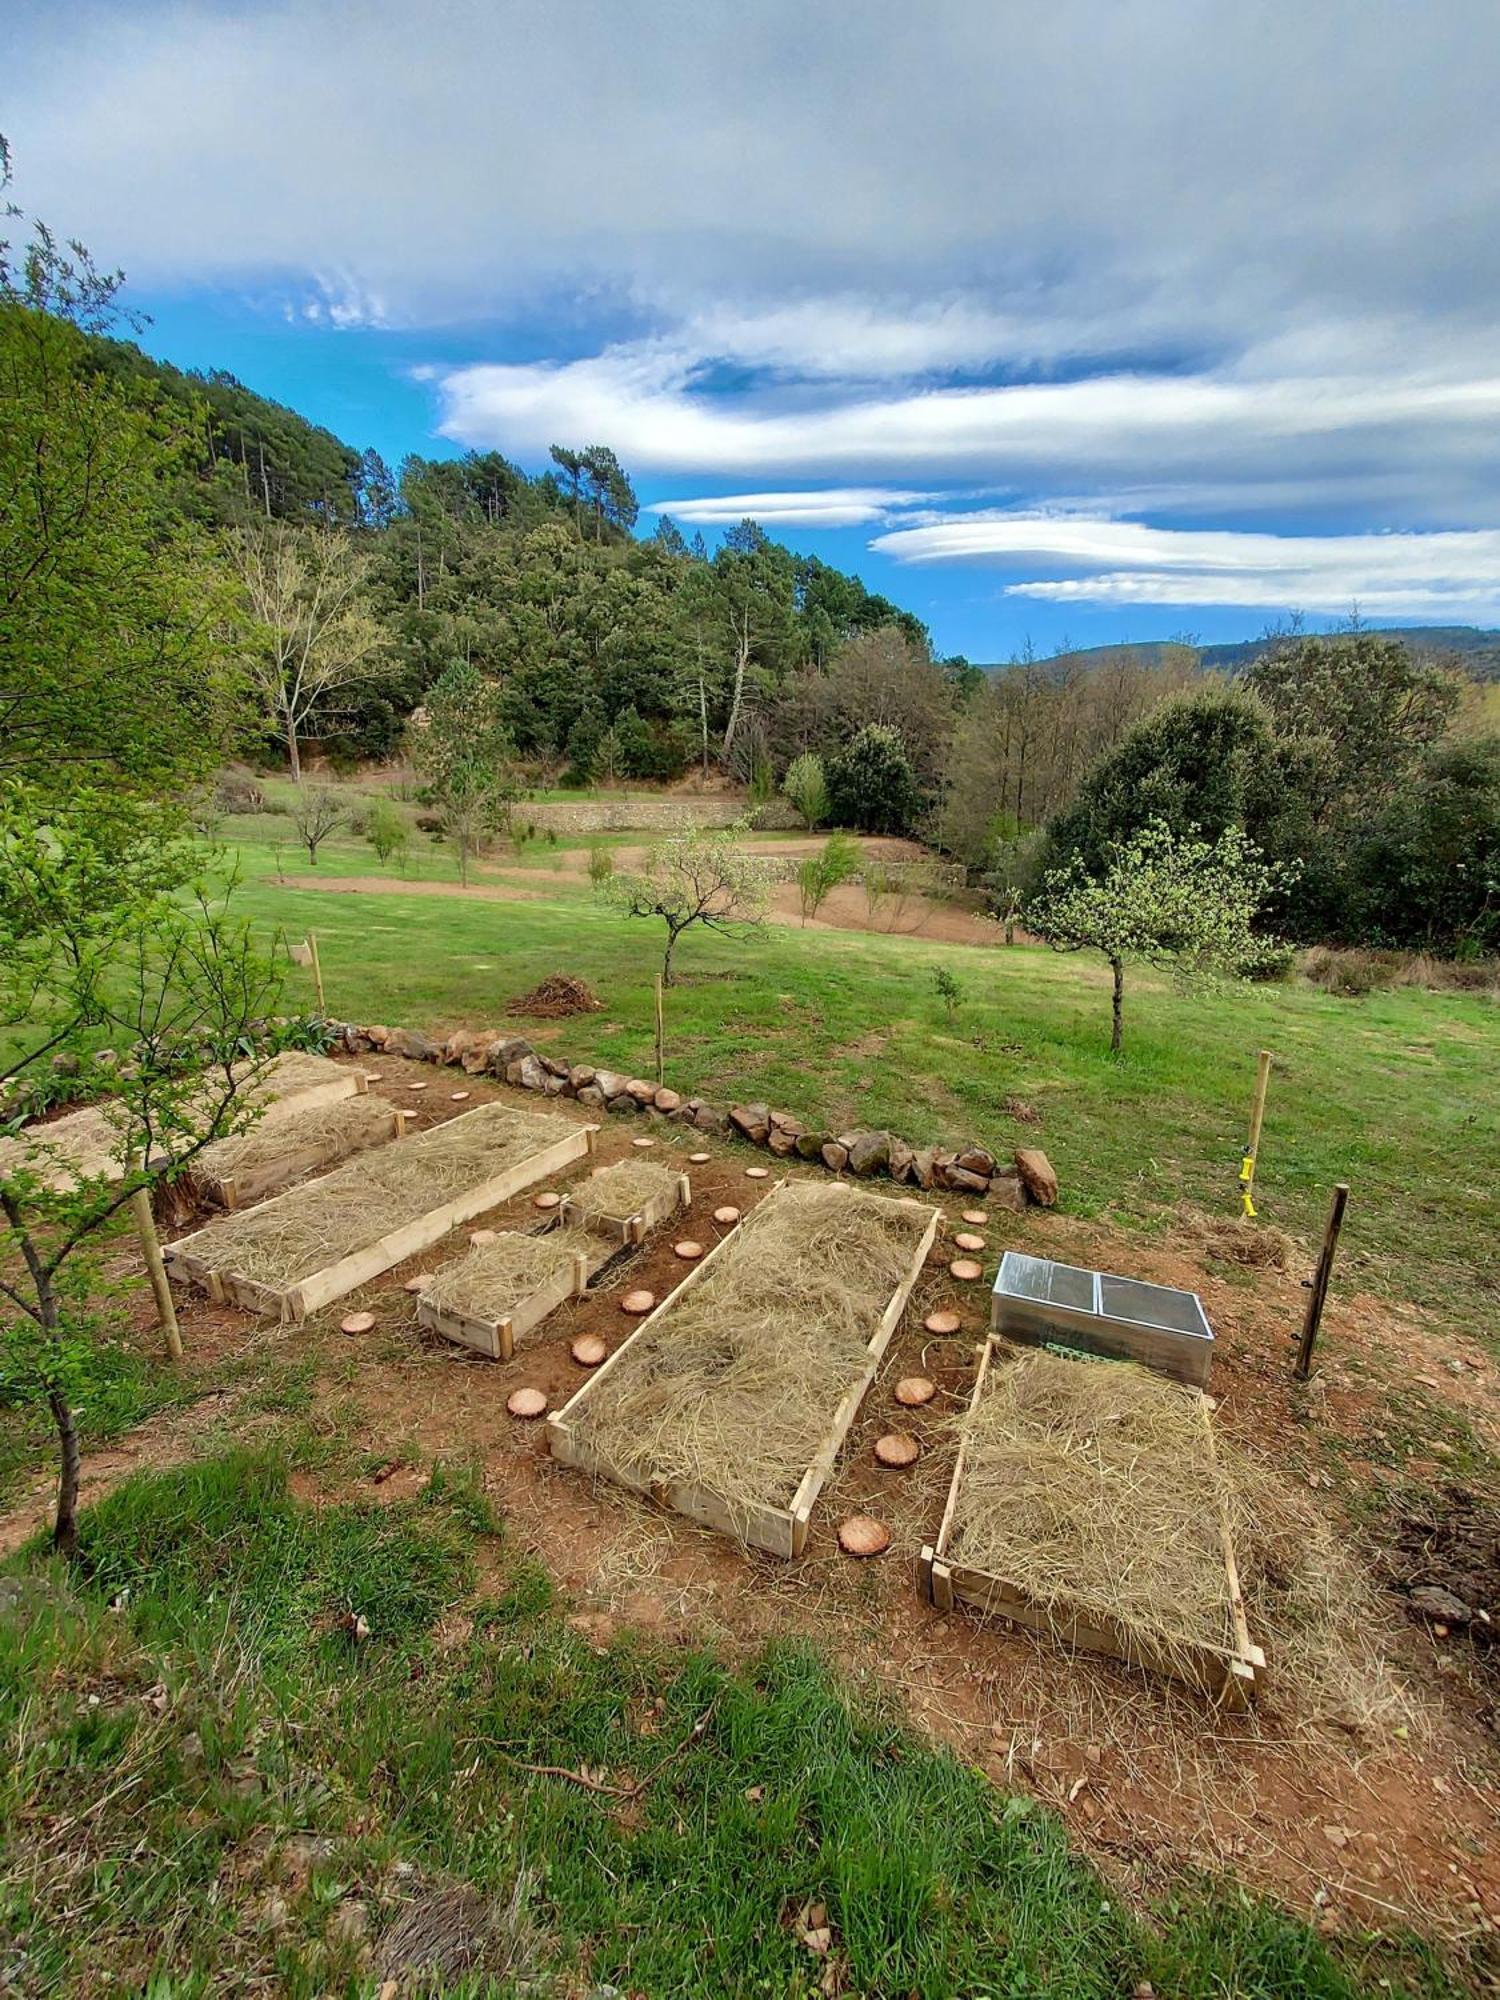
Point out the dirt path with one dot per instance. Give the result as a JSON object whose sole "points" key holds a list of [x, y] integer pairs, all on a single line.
{"points": [[1351, 1828]]}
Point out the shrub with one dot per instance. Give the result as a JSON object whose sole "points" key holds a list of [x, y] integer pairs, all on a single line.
{"points": [[806, 785], [601, 863], [836, 861], [387, 832], [237, 791], [871, 784], [948, 991]]}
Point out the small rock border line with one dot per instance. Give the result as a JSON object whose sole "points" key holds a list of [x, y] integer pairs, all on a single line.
{"points": [[479, 1052]]}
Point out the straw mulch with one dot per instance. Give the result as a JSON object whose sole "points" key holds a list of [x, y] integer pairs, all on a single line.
{"points": [[494, 1279], [734, 1386], [87, 1144], [1092, 1486], [332, 1131], [623, 1190], [290, 1072], [290, 1237]]}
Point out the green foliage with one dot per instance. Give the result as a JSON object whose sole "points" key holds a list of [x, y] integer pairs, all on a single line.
{"points": [[1174, 901], [464, 754], [807, 788], [1428, 869], [388, 833], [601, 863], [697, 877], [837, 861], [949, 991], [871, 784]]}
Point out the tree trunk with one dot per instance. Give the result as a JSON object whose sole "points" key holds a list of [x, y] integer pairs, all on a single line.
{"points": [[741, 662], [666, 964], [1118, 969], [292, 755], [65, 1529]]}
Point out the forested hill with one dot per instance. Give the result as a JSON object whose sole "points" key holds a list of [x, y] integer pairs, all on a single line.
{"points": [[1473, 647]]}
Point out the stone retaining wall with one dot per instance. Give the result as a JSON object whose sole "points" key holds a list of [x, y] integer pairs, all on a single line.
{"points": [[657, 815], [965, 1170]]}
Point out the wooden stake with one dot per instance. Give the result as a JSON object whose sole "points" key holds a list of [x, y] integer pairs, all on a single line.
{"points": [[166, 1310], [1320, 1283], [312, 945], [1257, 1118], [660, 1035]]}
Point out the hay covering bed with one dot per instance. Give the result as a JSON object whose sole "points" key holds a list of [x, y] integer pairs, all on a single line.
{"points": [[627, 1200], [730, 1402], [298, 1252], [281, 1149], [1088, 1502], [501, 1290]]}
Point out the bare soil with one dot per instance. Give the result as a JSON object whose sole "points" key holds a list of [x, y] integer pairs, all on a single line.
{"points": [[1151, 1779]]}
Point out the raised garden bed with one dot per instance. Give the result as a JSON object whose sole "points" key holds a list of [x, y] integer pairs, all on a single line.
{"points": [[234, 1172], [730, 1402], [628, 1200], [297, 1253], [1087, 1504], [488, 1299]]}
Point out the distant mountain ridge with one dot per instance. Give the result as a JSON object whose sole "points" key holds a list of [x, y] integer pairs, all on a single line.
{"points": [[1475, 648]]}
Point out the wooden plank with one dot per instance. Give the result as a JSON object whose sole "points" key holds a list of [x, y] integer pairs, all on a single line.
{"points": [[312, 1293], [236, 1190], [629, 1229], [1229, 1674], [497, 1337], [779, 1531]]}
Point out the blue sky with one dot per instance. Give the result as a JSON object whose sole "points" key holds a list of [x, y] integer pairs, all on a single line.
{"points": [[1076, 323]]}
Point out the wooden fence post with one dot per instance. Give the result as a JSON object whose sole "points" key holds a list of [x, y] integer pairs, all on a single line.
{"points": [[317, 966], [166, 1310], [661, 1033], [1320, 1283], [1257, 1118]]}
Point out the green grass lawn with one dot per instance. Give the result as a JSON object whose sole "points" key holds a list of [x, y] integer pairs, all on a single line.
{"points": [[1398, 1094], [209, 1783]]}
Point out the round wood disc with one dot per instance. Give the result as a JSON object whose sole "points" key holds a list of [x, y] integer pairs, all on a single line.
{"points": [[416, 1086], [968, 1242], [547, 1200], [757, 1173], [357, 1323], [642, 1144], [944, 1320], [726, 1216], [636, 1303], [374, 1076], [588, 1350], [863, 1535], [914, 1390], [419, 1283], [897, 1448], [526, 1402], [458, 1097], [699, 1159], [965, 1267], [479, 1237], [975, 1215], [688, 1250]]}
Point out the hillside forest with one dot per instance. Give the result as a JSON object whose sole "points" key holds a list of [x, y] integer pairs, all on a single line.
{"points": [[192, 574]]}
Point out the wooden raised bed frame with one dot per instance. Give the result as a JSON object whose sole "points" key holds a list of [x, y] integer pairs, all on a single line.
{"points": [[631, 1229], [1230, 1675], [496, 1338], [233, 1190], [779, 1531], [309, 1295]]}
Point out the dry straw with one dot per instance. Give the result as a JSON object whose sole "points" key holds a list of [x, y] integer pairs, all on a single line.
{"points": [[734, 1387], [348, 1125], [287, 1239], [491, 1282], [623, 1190]]}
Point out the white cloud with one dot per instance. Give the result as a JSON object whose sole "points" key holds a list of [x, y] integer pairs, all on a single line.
{"points": [[1131, 563], [827, 507]]}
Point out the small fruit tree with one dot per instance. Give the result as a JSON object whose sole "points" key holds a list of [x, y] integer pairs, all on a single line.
{"points": [[694, 877]]}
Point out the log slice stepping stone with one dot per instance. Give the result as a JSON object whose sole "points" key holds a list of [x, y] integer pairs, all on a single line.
{"points": [[863, 1535], [588, 1350], [479, 1237], [965, 1268], [547, 1200], [419, 1283], [458, 1097], [637, 1303], [688, 1250], [976, 1215], [699, 1159], [945, 1320], [357, 1323], [967, 1242], [726, 1216], [914, 1390], [757, 1173], [897, 1448], [526, 1403]]}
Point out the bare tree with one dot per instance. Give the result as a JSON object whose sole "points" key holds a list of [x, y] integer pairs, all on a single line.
{"points": [[314, 637], [318, 812], [694, 877]]}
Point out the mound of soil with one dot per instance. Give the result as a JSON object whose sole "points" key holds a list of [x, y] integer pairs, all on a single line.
{"points": [[558, 996]]}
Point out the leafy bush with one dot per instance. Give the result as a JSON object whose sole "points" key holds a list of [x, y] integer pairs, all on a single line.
{"points": [[386, 830], [837, 861], [871, 784], [236, 790], [806, 785], [948, 991], [601, 863]]}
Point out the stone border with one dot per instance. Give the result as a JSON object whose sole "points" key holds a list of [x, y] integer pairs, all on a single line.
{"points": [[511, 1058]]}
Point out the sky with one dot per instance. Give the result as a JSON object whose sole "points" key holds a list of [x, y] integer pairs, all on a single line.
{"points": [[1064, 324]]}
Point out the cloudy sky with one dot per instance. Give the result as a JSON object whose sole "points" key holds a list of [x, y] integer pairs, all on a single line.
{"points": [[1077, 321]]}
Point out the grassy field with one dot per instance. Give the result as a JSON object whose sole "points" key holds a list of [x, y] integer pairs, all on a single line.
{"points": [[1396, 1093], [211, 1784]]}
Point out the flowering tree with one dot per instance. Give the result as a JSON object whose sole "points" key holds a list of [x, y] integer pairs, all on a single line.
{"points": [[694, 877], [1168, 899]]}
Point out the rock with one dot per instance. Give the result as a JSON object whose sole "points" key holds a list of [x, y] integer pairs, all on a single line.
{"points": [[975, 1160], [529, 1073], [480, 1057], [924, 1166], [835, 1157], [611, 1082], [408, 1042], [509, 1049], [554, 1085], [781, 1143], [1035, 1170], [869, 1152], [582, 1073], [709, 1118], [377, 1037], [555, 1066], [753, 1121], [1434, 1602], [901, 1160], [963, 1182], [809, 1145], [623, 1106], [783, 1121], [591, 1095], [1007, 1190], [459, 1044], [644, 1093], [667, 1101]]}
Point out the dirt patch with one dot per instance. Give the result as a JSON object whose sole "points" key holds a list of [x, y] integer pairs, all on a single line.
{"points": [[1442, 1561], [557, 998]]}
